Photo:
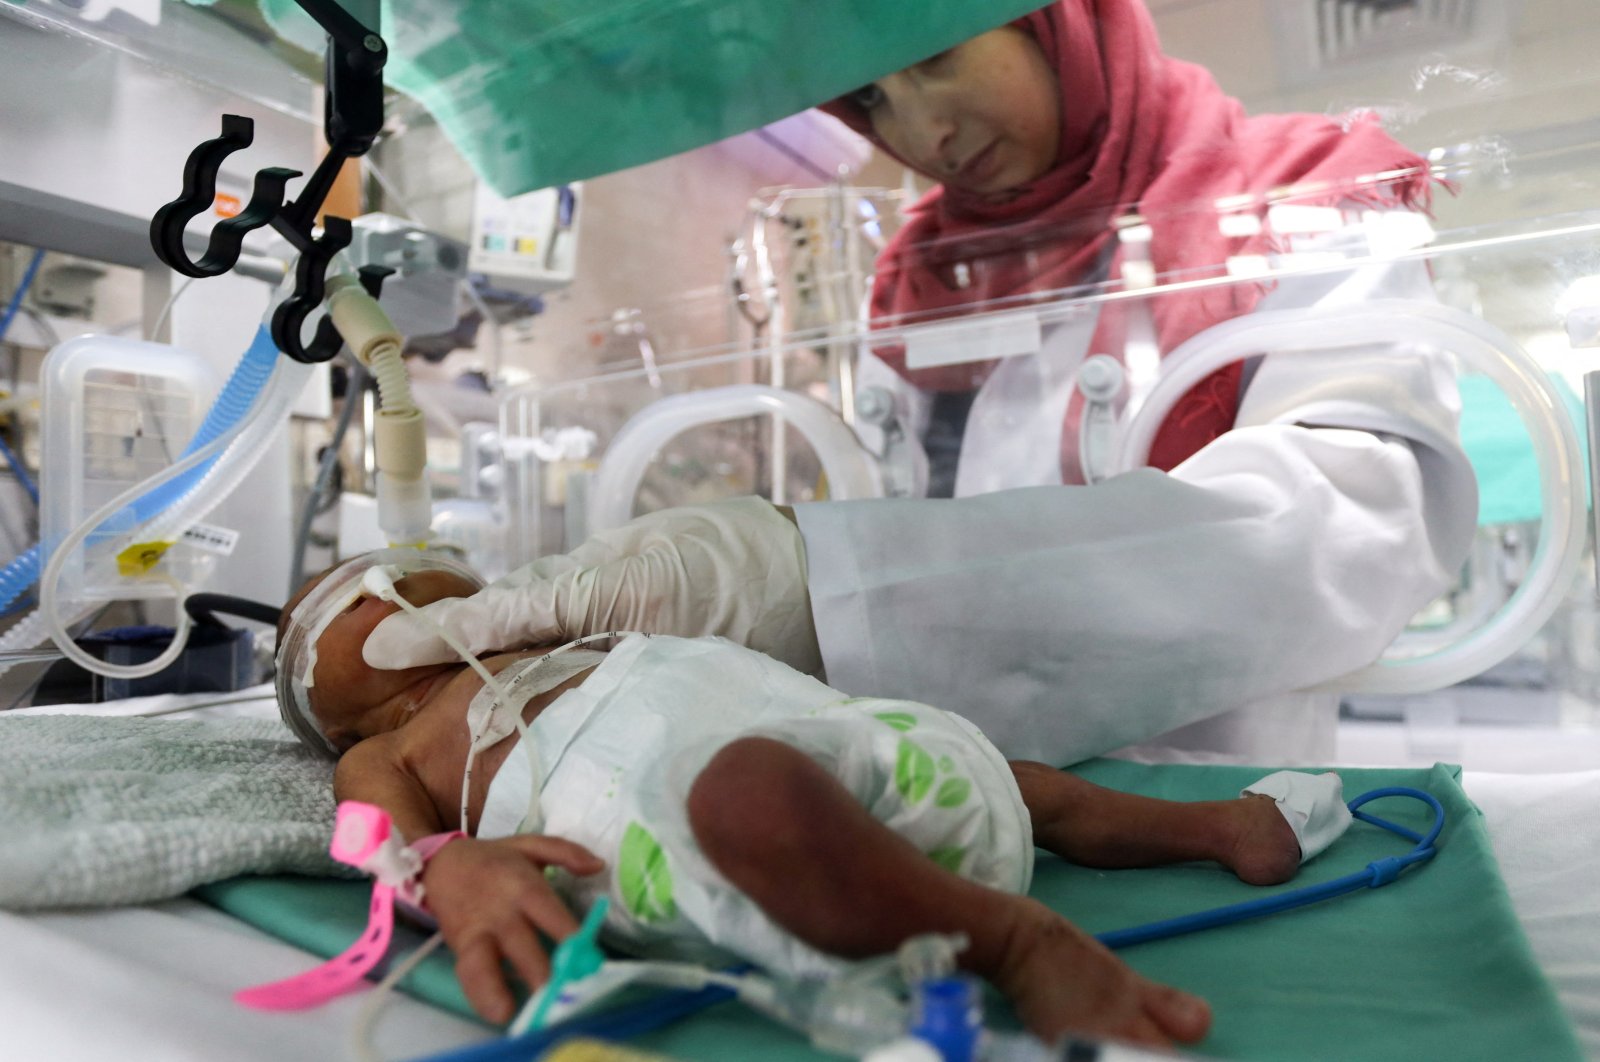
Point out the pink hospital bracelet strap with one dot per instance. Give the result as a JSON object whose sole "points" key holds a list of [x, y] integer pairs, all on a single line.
{"points": [[364, 837]]}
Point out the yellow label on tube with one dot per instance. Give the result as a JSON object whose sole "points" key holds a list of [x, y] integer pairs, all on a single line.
{"points": [[140, 557]]}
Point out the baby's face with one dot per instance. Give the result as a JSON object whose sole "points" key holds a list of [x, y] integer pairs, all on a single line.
{"points": [[346, 689]]}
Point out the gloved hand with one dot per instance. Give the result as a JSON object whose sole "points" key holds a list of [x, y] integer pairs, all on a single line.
{"points": [[734, 568]]}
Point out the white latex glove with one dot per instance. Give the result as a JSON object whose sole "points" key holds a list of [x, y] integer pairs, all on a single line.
{"points": [[734, 568]]}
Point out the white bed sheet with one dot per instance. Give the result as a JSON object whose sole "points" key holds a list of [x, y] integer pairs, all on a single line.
{"points": [[154, 982], [1545, 829]]}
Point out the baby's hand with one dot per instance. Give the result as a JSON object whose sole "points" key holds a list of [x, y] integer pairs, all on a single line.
{"points": [[491, 898]]}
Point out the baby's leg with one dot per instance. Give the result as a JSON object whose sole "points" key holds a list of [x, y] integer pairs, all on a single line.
{"points": [[787, 834], [1099, 827]]}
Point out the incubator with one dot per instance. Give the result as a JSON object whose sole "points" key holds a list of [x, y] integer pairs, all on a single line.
{"points": [[769, 373], [689, 420], [790, 401]]}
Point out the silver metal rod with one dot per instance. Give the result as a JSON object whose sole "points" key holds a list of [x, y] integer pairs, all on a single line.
{"points": [[1591, 402], [29, 656]]}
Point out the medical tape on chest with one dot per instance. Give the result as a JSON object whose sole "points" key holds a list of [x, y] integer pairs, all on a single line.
{"points": [[490, 721], [538, 776]]}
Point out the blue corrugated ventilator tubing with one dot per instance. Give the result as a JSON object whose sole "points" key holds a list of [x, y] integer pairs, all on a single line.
{"points": [[238, 395], [5, 325]]}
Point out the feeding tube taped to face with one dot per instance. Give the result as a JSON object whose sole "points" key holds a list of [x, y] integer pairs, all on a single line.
{"points": [[340, 588]]}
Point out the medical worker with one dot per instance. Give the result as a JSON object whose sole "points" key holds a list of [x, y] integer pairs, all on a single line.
{"points": [[1300, 510]]}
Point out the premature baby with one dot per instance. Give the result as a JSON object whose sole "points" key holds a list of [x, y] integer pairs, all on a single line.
{"points": [[730, 805]]}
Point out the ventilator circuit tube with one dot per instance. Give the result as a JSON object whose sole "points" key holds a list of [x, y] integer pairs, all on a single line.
{"points": [[405, 503], [241, 444], [231, 405], [1481, 347], [231, 410]]}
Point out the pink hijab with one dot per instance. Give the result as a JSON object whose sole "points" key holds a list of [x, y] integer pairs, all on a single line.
{"points": [[1140, 132]]}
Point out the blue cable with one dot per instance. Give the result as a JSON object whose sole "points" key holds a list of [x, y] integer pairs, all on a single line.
{"points": [[1377, 873], [624, 1022], [22, 289], [5, 324]]}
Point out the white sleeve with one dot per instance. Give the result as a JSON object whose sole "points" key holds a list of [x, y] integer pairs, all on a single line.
{"points": [[1070, 621], [1400, 390]]}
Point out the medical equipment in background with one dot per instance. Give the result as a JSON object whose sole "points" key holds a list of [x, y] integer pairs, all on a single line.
{"points": [[131, 535], [528, 243], [353, 117], [427, 270], [851, 472], [139, 525], [809, 253], [794, 303], [473, 521]]}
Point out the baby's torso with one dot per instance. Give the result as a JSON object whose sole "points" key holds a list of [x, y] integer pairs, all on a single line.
{"points": [[650, 699], [611, 764], [434, 747]]}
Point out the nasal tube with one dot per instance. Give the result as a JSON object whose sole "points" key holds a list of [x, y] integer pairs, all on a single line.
{"points": [[405, 504]]}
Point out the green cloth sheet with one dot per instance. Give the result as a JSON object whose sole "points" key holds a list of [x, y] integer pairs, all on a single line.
{"points": [[1432, 966], [539, 92]]}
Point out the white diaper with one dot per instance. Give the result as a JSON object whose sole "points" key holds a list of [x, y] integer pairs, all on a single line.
{"points": [[620, 753]]}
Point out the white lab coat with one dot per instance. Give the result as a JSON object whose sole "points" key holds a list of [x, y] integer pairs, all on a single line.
{"points": [[1072, 621]]}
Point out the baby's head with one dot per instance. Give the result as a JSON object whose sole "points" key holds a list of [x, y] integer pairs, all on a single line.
{"points": [[329, 696]]}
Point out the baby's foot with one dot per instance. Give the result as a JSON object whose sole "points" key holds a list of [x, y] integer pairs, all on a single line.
{"points": [[1263, 848], [1062, 980]]}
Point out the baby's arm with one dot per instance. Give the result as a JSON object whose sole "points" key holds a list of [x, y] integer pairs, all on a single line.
{"points": [[491, 898], [374, 772]]}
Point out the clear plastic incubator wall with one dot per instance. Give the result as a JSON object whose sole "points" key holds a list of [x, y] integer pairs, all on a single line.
{"points": [[1496, 270], [778, 375]]}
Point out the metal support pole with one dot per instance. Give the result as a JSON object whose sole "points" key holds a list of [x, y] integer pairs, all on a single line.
{"points": [[1591, 402]]}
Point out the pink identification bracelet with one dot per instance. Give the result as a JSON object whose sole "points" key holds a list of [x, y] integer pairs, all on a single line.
{"points": [[363, 836]]}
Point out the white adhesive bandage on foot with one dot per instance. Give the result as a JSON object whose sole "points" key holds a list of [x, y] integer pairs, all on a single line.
{"points": [[1312, 804]]}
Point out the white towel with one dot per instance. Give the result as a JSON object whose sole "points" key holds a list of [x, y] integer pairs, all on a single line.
{"points": [[95, 810]]}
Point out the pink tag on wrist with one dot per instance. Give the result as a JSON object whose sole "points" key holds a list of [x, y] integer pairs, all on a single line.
{"points": [[363, 836]]}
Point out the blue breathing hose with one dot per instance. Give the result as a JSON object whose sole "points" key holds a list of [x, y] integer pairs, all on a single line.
{"points": [[634, 1019], [5, 324], [22, 289], [238, 395]]}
